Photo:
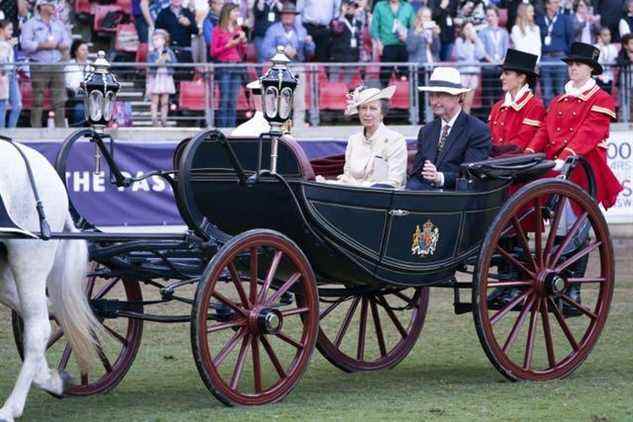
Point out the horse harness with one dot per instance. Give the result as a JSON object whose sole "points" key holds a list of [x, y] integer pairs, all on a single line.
{"points": [[44, 227]]}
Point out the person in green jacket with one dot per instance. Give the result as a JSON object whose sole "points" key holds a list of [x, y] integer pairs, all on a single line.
{"points": [[390, 24]]}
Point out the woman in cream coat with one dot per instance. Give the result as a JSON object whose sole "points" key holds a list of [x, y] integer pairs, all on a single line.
{"points": [[375, 156]]}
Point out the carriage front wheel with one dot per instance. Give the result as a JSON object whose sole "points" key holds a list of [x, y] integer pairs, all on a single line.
{"points": [[549, 256], [117, 344], [255, 319]]}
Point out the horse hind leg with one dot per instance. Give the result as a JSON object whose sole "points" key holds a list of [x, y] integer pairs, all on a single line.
{"points": [[30, 280]]}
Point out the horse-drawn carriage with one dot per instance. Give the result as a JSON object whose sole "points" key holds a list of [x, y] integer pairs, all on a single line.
{"points": [[281, 265]]}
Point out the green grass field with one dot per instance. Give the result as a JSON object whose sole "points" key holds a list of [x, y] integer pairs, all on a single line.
{"points": [[446, 377]]}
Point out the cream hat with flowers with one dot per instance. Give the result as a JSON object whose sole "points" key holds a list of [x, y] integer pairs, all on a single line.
{"points": [[363, 95]]}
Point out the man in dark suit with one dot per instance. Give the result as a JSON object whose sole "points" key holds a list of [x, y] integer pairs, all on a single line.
{"points": [[450, 140]]}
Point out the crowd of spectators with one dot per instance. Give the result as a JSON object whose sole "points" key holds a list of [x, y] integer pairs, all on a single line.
{"points": [[329, 31]]}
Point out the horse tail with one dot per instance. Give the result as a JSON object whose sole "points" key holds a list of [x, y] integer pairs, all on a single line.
{"points": [[70, 300]]}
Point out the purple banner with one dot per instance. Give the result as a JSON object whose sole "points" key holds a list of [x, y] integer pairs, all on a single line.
{"points": [[146, 203]]}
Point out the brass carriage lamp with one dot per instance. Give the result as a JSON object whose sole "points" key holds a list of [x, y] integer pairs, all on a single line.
{"points": [[278, 88], [100, 87]]}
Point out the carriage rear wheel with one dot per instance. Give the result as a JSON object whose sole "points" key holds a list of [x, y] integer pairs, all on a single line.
{"points": [[397, 317], [549, 248], [117, 345], [258, 293]]}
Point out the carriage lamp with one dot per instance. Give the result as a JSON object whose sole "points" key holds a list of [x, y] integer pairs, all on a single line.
{"points": [[278, 87], [100, 87]]}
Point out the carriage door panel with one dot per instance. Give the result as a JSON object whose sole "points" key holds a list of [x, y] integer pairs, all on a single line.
{"points": [[421, 236]]}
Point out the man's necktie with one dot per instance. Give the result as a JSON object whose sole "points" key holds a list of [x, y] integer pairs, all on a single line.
{"points": [[443, 136]]}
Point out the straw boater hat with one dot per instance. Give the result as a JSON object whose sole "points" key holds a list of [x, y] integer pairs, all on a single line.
{"points": [[445, 79], [587, 54], [362, 95]]}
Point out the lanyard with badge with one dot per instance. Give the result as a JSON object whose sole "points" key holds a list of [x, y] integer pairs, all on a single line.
{"points": [[550, 28], [353, 43], [271, 12]]}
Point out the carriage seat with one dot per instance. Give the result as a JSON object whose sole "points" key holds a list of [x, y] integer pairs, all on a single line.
{"points": [[519, 168], [305, 167]]}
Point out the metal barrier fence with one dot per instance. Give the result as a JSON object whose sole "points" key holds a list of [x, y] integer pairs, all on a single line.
{"points": [[209, 94]]}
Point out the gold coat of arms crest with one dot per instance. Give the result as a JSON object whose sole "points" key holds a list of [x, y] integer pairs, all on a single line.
{"points": [[424, 242]]}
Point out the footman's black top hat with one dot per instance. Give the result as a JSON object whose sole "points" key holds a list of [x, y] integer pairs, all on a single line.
{"points": [[520, 61], [585, 53]]}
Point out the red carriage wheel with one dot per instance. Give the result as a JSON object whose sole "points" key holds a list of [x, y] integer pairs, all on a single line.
{"points": [[255, 319], [558, 279], [393, 318], [117, 344]]}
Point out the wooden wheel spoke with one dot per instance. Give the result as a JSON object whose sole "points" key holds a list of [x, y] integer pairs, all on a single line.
{"points": [[510, 306], [520, 219], [360, 350], [225, 325], [229, 303], [547, 332], [578, 306], [408, 300], [257, 368], [59, 333], [529, 347], [63, 360], [290, 341], [563, 325], [273, 357], [270, 276], [510, 283], [237, 282], [239, 365], [524, 242], [518, 323], [538, 233], [558, 213], [515, 261], [228, 347], [570, 235], [583, 280], [103, 358], [106, 289], [379, 334], [396, 322], [116, 335], [296, 311], [254, 276], [346, 322], [578, 255], [283, 289], [91, 286], [333, 306]]}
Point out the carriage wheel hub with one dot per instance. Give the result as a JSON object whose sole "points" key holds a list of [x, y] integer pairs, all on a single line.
{"points": [[269, 321], [555, 283]]}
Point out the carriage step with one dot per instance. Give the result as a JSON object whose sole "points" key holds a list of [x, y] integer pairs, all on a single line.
{"points": [[463, 308]]}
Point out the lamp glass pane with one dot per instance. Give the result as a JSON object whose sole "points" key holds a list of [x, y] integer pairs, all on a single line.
{"points": [[108, 106], [270, 101], [95, 104], [285, 103]]}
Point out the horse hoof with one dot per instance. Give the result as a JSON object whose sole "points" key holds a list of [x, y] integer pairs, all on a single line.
{"points": [[67, 382]]}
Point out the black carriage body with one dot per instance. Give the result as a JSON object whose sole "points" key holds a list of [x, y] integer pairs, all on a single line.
{"points": [[351, 235]]}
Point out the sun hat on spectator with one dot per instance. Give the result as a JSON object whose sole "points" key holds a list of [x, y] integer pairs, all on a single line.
{"points": [[255, 87], [288, 8], [445, 79], [41, 2], [363, 95]]}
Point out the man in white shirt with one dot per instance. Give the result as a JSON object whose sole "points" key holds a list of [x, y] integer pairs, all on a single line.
{"points": [[452, 139]]}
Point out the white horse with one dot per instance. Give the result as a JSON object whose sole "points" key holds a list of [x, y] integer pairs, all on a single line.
{"points": [[30, 266]]}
